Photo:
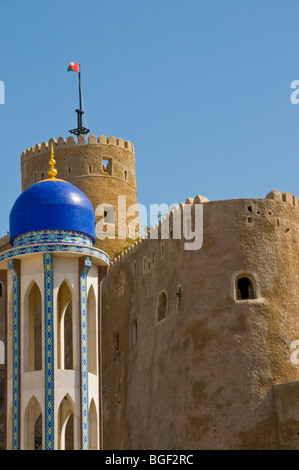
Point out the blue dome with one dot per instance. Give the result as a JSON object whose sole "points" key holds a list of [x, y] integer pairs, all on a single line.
{"points": [[52, 205]]}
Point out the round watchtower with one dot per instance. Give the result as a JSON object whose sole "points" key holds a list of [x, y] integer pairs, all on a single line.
{"points": [[103, 168]]}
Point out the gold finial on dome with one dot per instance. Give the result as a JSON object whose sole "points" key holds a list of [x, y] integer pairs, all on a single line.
{"points": [[52, 172]]}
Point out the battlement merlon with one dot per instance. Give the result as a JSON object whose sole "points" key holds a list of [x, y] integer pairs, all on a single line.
{"points": [[70, 141]]}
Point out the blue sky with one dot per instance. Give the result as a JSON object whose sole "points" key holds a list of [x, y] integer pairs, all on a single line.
{"points": [[201, 88]]}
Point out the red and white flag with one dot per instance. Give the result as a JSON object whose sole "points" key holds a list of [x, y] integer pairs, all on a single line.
{"points": [[73, 67]]}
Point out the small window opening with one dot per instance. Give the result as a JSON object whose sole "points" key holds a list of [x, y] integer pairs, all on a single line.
{"points": [[107, 163], [178, 298], [69, 170], [249, 209], [249, 219], [116, 345], [135, 270], [42, 176], [126, 175], [245, 289], [90, 169], [134, 333], [162, 306]]}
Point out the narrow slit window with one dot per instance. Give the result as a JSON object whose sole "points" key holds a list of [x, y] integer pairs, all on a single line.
{"points": [[69, 170], [116, 345], [162, 306], [126, 175], [178, 298], [134, 333], [135, 270]]}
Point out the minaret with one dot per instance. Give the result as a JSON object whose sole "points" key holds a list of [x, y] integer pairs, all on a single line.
{"points": [[53, 279]]}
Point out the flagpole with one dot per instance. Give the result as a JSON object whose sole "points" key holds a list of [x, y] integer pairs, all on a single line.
{"points": [[80, 99], [80, 129]]}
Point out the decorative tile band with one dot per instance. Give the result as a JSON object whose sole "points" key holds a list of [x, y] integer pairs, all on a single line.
{"points": [[52, 248], [84, 353], [52, 236], [49, 352], [16, 355]]}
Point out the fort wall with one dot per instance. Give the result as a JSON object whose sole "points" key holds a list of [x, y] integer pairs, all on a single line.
{"points": [[214, 373]]}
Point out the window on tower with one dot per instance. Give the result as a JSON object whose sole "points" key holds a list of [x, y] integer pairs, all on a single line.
{"points": [[162, 306], [116, 344], [134, 333], [107, 165], [245, 288]]}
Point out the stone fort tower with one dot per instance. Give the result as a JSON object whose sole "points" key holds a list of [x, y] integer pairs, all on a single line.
{"points": [[103, 168]]}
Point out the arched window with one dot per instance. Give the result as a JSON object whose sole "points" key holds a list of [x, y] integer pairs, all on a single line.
{"points": [[245, 287], [9, 429], [162, 306], [33, 330], [67, 424], [92, 332], [65, 327], [93, 426], [33, 425]]}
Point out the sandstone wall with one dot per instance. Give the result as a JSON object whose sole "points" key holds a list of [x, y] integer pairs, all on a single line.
{"points": [[204, 377]]}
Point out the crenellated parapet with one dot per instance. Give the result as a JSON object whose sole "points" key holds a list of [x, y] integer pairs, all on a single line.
{"points": [[283, 197], [256, 214], [82, 140]]}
